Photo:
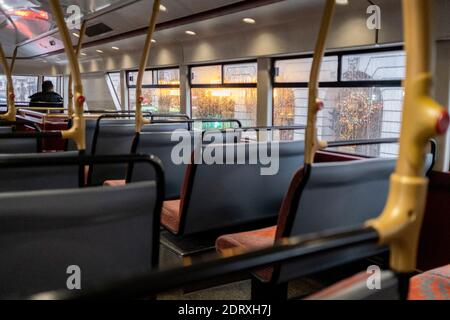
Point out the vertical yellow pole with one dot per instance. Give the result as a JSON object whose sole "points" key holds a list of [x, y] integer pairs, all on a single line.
{"points": [[77, 132], [10, 115], [70, 106], [312, 143], [140, 121], [400, 223]]}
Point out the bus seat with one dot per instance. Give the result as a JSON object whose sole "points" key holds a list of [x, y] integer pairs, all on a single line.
{"points": [[38, 178], [109, 233], [217, 197], [431, 285], [161, 145], [111, 137], [324, 197], [19, 146], [164, 127]]}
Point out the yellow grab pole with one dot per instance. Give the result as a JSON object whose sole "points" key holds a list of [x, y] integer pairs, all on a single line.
{"points": [[77, 131], [312, 143], [70, 106], [400, 223], [10, 115], [140, 121]]}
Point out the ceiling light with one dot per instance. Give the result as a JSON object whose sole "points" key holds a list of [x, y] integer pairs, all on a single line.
{"points": [[249, 20], [153, 40], [76, 34], [162, 8], [191, 33], [99, 51], [342, 2], [115, 48], [82, 53]]}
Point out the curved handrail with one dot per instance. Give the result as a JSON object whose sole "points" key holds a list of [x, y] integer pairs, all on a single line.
{"points": [[312, 143], [400, 223], [78, 130], [140, 121]]}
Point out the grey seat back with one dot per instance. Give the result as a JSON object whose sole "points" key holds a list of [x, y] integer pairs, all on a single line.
{"points": [[224, 197], [164, 127], [108, 233], [111, 137], [339, 195], [160, 144], [39, 178], [17, 146], [5, 129]]}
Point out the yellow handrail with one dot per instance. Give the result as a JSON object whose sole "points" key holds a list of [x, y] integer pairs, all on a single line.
{"points": [[70, 105], [10, 115], [140, 121], [400, 223], [312, 143], [77, 131]]}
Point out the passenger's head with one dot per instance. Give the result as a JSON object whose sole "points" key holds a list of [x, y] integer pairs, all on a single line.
{"points": [[47, 86]]}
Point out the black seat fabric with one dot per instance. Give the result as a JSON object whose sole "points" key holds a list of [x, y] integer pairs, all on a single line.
{"points": [[17, 146], [160, 144], [111, 137], [38, 178], [222, 196], [108, 233], [5, 130], [164, 127]]}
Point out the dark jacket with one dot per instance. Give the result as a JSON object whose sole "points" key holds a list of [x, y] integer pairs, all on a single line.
{"points": [[51, 97]]}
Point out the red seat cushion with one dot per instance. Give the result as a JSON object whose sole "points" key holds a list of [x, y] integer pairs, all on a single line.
{"points": [[170, 215], [114, 183], [249, 241], [432, 285]]}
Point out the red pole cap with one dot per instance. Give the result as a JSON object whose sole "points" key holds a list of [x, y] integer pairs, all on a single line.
{"points": [[443, 123], [12, 96], [141, 99], [81, 99], [320, 104]]}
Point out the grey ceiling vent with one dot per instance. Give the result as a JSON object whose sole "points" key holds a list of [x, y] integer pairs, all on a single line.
{"points": [[97, 29]]}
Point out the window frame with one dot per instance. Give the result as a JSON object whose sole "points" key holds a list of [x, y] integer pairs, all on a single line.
{"points": [[151, 86], [339, 83], [221, 85]]}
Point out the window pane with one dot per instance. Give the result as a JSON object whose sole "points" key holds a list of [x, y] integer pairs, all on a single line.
{"points": [[299, 70], [207, 75], [169, 77], [235, 103], [115, 81], [349, 114], [241, 73], [374, 66], [24, 87], [157, 100], [133, 75]]}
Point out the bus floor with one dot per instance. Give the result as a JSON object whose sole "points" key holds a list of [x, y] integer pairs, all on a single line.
{"points": [[239, 287]]}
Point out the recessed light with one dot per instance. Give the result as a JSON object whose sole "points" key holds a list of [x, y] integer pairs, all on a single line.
{"points": [[249, 20], [115, 48], [162, 8], [99, 51], [76, 34], [342, 2], [82, 53], [153, 40], [191, 33]]}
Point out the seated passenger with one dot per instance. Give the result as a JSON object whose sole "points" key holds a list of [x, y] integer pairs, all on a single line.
{"points": [[47, 98]]}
